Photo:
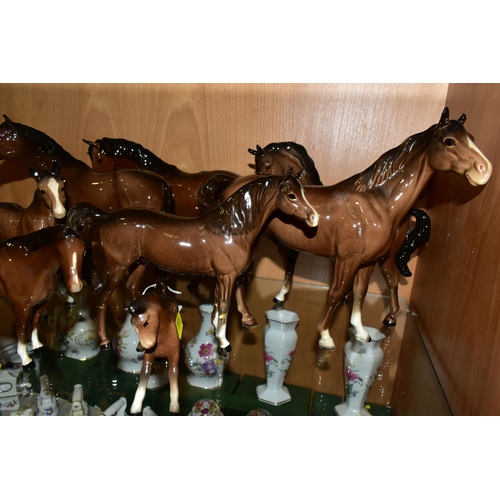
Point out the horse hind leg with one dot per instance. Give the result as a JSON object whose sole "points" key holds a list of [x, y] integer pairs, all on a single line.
{"points": [[221, 309], [279, 299], [247, 318], [388, 269]]}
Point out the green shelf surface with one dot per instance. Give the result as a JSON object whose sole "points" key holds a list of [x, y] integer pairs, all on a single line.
{"points": [[324, 405], [244, 399]]}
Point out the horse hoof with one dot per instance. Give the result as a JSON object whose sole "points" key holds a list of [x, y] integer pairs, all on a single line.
{"points": [[106, 347], [135, 414], [226, 349], [327, 348], [279, 304], [249, 325], [30, 365], [389, 322]]}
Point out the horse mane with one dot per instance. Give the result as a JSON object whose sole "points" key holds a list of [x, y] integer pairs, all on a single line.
{"points": [[298, 152], [41, 140], [241, 213], [123, 148], [392, 161]]}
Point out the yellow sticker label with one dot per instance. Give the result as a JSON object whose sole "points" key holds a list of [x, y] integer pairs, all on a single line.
{"points": [[179, 325]]}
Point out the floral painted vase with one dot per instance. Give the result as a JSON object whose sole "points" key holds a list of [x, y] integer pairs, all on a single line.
{"points": [[362, 361], [46, 401], [280, 340], [202, 356], [76, 329], [125, 342]]}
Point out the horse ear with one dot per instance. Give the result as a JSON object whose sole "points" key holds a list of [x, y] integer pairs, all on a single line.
{"points": [[462, 119], [10, 123], [445, 117], [287, 175], [252, 152], [34, 173], [56, 168]]}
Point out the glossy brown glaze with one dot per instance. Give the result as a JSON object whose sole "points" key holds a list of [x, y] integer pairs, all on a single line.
{"points": [[29, 274], [220, 243], [47, 206], [277, 158], [153, 318], [108, 191], [194, 193], [359, 216]]}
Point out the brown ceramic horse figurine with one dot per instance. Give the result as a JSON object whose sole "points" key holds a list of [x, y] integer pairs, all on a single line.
{"points": [[108, 191], [359, 216], [29, 276], [219, 243], [153, 318], [194, 193], [47, 206], [277, 158]]}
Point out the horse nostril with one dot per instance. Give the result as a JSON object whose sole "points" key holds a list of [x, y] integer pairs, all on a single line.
{"points": [[481, 168]]}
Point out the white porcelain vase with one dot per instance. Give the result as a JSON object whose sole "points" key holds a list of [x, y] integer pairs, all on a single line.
{"points": [[362, 361], [76, 329], [202, 356], [280, 340], [125, 342]]}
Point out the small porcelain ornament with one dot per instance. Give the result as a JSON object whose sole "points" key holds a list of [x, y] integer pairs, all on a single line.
{"points": [[205, 408], [202, 356], [47, 403], [362, 361], [280, 340]]}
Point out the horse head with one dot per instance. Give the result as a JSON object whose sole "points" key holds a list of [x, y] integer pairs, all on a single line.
{"points": [[51, 188], [145, 312], [277, 157], [71, 253], [293, 200], [453, 149]]}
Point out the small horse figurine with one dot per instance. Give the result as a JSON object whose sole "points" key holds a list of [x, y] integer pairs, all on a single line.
{"points": [[194, 193], [219, 243], [29, 276], [153, 318], [108, 191], [276, 158], [47, 206], [360, 215]]}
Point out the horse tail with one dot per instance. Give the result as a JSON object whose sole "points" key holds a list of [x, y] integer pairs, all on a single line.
{"points": [[212, 192], [82, 218], [415, 238]]}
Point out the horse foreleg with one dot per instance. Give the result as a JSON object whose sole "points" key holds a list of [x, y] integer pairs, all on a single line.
{"points": [[359, 293], [173, 375], [21, 319], [222, 299], [342, 279], [279, 299], [140, 393], [247, 318], [35, 322]]}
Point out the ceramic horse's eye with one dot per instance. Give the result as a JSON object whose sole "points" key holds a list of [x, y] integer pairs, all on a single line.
{"points": [[42, 191], [267, 165], [449, 142], [292, 196], [146, 323]]}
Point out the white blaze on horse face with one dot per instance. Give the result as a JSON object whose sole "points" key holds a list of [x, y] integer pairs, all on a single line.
{"points": [[313, 219], [480, 173], [58, 210]]}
